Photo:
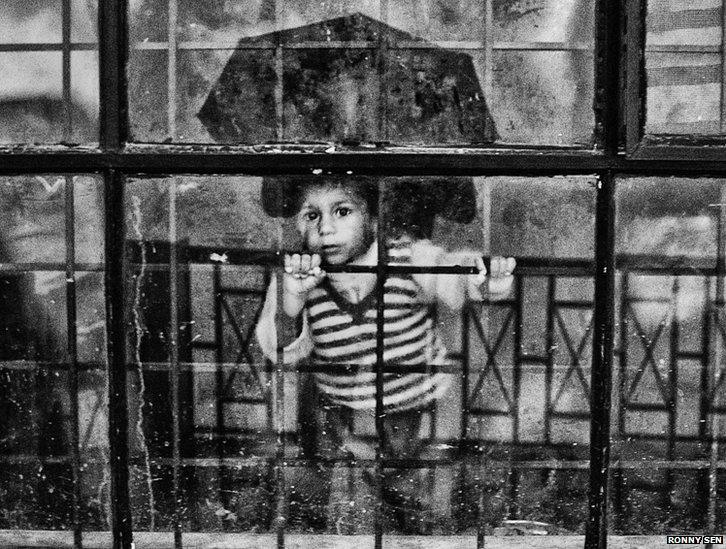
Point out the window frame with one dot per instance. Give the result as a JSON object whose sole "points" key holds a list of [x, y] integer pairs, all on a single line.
{"points": [[658, 147], [620, 149]]}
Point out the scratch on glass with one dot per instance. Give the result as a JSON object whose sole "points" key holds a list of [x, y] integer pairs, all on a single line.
{"points": [[138, 327]]}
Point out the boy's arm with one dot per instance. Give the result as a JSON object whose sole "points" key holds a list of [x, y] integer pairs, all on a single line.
{"points": [[273, 330], [455, 290], [450, 289]]}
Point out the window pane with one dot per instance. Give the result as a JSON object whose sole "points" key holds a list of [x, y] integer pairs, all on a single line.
{"points": [[226, 433], [529, 359], [429, 74], [667, 404], [478, 401], [49, 89], [51, 389], [684, 67]]}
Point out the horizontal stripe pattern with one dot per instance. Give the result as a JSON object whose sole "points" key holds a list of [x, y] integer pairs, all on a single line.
{"points": [[684, 83], [345, 333]]}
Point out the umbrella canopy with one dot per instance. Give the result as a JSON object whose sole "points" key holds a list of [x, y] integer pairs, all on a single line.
{"points": [[365, 85]]}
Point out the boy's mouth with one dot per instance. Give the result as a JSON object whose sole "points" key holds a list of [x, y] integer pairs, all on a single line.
{"points": [[331, 252]]}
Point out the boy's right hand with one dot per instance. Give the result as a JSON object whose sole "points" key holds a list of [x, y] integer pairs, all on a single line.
{"points": [[302, 273]]}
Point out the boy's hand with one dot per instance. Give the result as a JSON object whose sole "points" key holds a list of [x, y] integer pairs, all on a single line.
{"points": [[500, 275], [302, 273]]}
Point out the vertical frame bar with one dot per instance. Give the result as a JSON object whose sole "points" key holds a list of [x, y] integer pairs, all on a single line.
{"points": [[381, 273], [634, 73], [672, 397], [550, 365], [618, 475], [72, 336], [704, 401], [171, 64], [220, 431], [723, 66], [517, 363], [279, 61], [174, 371], [609, 41], [383, 51], [280, 522], [116, 353], [713, 425], [602, 358], [487, 85], [66, 70], [113, 54]]}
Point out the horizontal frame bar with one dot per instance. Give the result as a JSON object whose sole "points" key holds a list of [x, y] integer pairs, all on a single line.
{"points": [[299, 159]]}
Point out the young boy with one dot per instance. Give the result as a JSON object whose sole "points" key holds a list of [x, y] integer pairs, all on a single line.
{"points": [[338, 223]]}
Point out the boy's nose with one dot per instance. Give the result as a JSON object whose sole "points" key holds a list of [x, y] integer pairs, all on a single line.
{"points": [[327, 225]]}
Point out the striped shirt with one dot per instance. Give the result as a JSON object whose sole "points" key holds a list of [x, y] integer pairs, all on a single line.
{"points": [[344, 334]]}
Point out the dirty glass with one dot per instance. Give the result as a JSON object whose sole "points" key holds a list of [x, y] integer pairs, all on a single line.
{"points": [[199, 249], [667, 415], [53, 391], [684, 67], [49, 63], [529, 356], [422, 74], [471, 427]]}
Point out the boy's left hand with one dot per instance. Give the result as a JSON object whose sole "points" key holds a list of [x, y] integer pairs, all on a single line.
{"points": [[500, 276]]}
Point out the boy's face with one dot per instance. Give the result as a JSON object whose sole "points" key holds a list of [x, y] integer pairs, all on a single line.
{"points": [[334, 222]]}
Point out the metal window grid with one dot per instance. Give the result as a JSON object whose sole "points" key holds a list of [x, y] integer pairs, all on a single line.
{"points": [[115, 160]]}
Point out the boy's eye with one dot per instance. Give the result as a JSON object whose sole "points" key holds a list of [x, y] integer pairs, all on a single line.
{"points": [[311, 216], [343, 211]]}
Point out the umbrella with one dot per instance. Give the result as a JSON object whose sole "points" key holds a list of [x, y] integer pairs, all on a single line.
{"points": [[349, 93]]}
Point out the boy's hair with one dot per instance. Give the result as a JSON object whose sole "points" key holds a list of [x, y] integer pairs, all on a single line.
{"points": [[411, 203], [282, 196]]}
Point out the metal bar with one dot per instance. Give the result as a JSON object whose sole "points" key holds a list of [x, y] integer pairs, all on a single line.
{"points": [[381, 274], [279, 422], [116, 353], [703, 158], [279, 93], [714, 423], [516, 392], [481, 517], [634, 73], [278, 411], [383, 45], [253, 462], [722, 51], [704, 401], [113, 41], [25, 267], [174, 372], [171, 66], [465, 366], [458, 45], [60, 46], [672, 394], [550, 359], [487, 84], [602, 357], [66, 70], [219, 380], [72, 350]]}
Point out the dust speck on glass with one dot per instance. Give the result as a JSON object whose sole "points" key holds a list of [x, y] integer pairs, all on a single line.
{"points": [[252, 304], [402, 72]]}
